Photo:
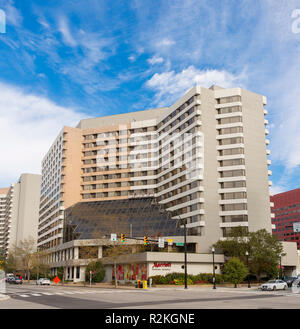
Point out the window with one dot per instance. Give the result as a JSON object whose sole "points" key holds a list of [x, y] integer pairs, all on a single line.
{"points": [[229, 120], [228, 141], [231, 99]]}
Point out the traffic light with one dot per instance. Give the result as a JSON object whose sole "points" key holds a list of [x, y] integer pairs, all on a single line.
{"points": [[145, 240], [122, 238]]}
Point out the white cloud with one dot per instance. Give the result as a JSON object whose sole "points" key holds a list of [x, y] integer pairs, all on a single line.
{"points": [[165, 43], [28, 126], [155, 60], [275, 189], [63, 27], [168, 85], [132, 58]]}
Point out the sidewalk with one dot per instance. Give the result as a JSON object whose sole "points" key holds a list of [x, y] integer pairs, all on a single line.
{"points": [[3, 297], [108, 285]]}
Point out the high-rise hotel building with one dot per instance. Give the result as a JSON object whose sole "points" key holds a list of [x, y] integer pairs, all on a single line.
{"points": [[204, 158]]}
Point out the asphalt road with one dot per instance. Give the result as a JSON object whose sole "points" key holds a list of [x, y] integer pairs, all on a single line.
{"points": [[58, 297]]}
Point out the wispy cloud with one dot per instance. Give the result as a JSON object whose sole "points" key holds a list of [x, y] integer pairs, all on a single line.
{"points": [[63, 27]]}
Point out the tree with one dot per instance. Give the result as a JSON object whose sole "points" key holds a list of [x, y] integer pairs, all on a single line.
{"points": [[60, 273], [40, 266], [114, 251], [236, 245], [10, 264], [264, 250], [25, 255], [264, 253], [234, 271], [99, 271]]}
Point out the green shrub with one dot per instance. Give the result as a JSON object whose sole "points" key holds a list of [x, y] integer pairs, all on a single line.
{"points": [[235, 271], [99, 271], [181, 281]]}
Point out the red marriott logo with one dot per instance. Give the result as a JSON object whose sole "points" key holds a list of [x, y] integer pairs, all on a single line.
{"points": [[161, 265]]}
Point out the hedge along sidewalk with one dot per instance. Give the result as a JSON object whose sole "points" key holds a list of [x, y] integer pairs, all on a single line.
{"points": [[207, 285]]}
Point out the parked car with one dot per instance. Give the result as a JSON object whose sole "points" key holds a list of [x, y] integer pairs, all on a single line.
{"points": [[9, 279], [43, 281], [274, 285], [9, 276], [15, 281], [290, 280]]}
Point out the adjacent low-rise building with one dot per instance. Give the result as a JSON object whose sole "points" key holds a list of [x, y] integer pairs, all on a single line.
{"points": [[286, 216]]}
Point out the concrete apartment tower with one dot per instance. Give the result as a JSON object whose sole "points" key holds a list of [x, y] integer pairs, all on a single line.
{"points": [[21, 211], [3, 195], [204, 158]]}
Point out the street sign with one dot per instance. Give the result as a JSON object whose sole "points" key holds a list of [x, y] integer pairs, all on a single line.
{"points": [[161, 242], [113, 237], [179, 244], [296, 227], [56, 280], [170, 242]]}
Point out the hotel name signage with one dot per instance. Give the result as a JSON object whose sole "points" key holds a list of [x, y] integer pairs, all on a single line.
{"points": [[161, 266]]}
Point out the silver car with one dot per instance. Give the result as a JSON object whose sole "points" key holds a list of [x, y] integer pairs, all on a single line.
{"points": [[274, 285], [43, 281]]}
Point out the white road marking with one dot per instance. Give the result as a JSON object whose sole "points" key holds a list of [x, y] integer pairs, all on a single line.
{"points": [[68, 292], [36, 295], [24, 296]]}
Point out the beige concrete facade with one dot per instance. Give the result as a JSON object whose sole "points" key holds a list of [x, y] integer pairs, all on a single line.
{"points": [[21, 211], [204, 158], [3, 196]]}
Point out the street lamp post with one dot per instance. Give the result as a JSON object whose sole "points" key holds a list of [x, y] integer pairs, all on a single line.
{"points": [[248, 277], [185, 257], [214, 274], [280, 268], [179, 223]]}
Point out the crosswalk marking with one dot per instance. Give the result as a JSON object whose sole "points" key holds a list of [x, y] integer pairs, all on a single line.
{"points": [[61, 292], [69, 292]]}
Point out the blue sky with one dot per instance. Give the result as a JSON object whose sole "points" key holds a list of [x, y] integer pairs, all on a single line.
{"points": [[66, 60]]}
